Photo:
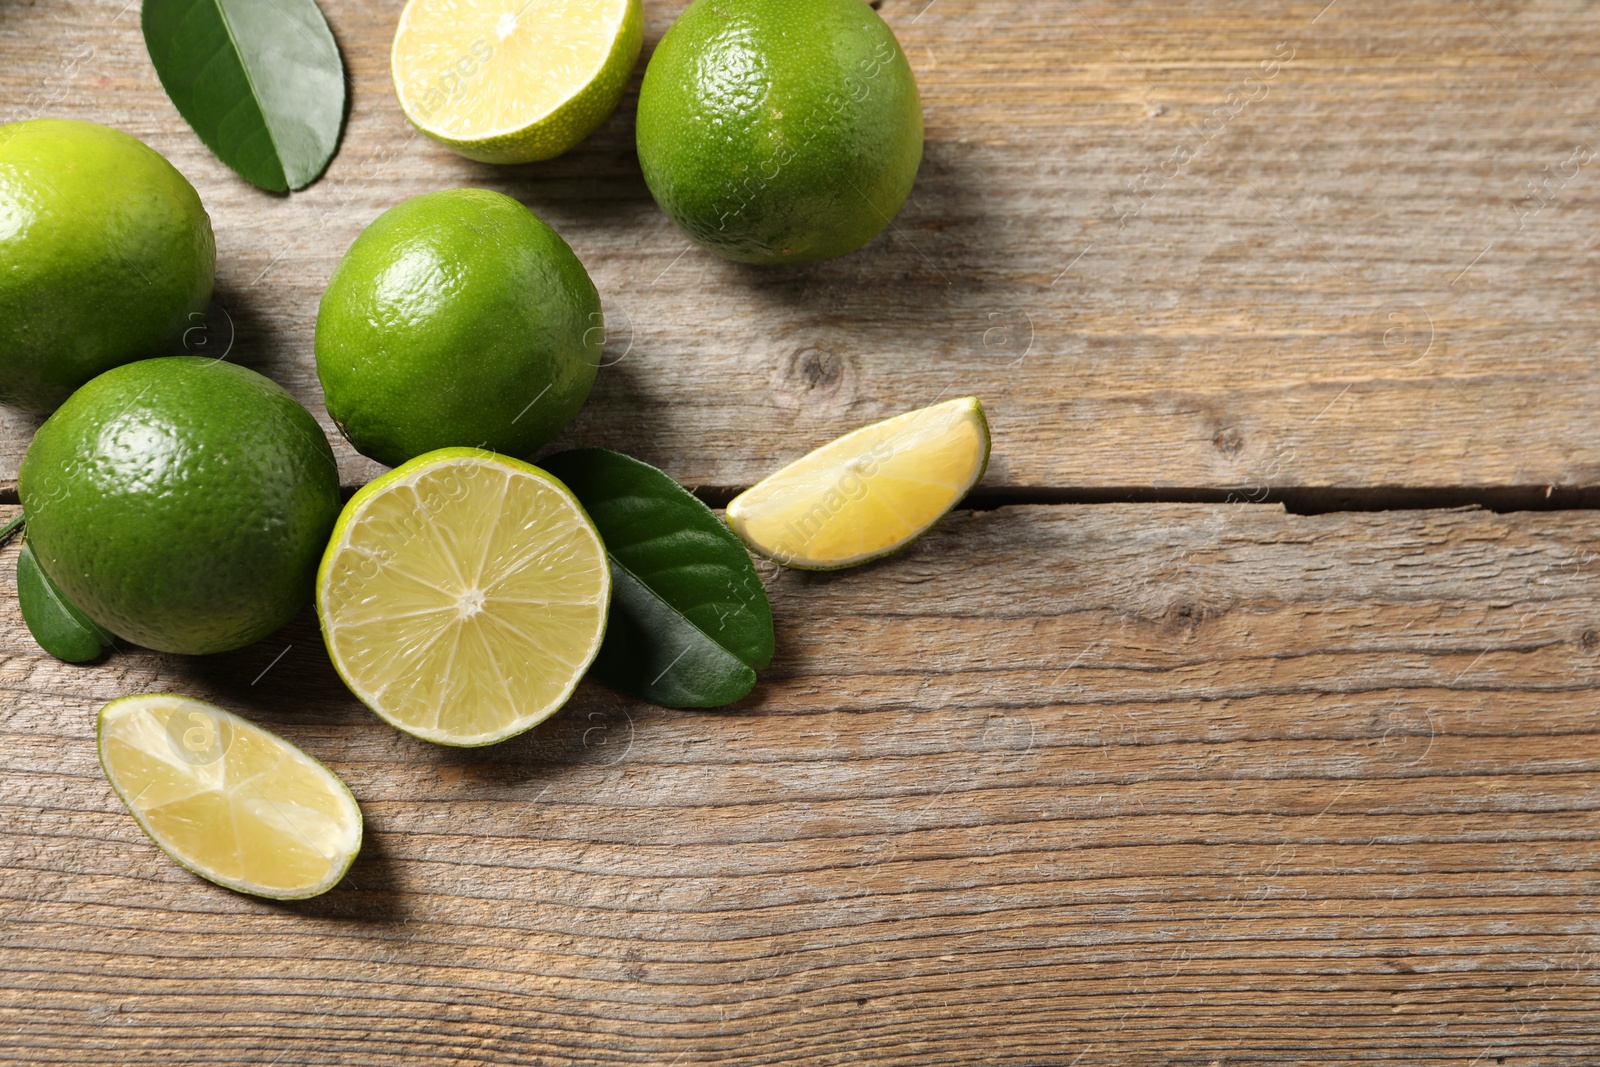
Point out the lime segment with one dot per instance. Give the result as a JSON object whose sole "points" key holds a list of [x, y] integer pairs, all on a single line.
{"points": [[230, 801], [463, 596], [868, 493]]}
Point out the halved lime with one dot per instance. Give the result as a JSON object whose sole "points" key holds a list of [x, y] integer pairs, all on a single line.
{"points": [[868, 493], [233, 803], [463, 596], [511, 81]]}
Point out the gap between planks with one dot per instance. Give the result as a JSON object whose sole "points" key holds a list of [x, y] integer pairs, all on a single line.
{"points": [[1295, 501]]}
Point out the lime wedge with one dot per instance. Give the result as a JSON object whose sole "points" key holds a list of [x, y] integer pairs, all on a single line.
{"points": [[233, 803], [869, 493], [463, 596], [511, 81]]}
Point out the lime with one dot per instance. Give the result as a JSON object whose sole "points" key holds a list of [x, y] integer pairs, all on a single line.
{"points": [[457, 319], [779, 131], [511, 81], [181, 503], [870, 492], [106, 256], [463, 596], [233, 803]]}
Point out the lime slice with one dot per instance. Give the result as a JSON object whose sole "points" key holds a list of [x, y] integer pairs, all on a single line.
{"points": [[511, 81], [463, 596], [868, 493], [231, 802]]}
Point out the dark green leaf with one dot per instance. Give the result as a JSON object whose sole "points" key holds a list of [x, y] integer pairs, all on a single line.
{"points": [[653, 652], [260, 81], [690, 623], [12, 527], [61, 629]]}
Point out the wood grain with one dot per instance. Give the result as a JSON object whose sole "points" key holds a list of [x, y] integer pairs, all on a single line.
{"points": [[1123, 784], [1349, 284]]}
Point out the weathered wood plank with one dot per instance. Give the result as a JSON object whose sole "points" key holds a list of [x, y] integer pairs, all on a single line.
{"points": [[1349, 284], [1127, 784]]}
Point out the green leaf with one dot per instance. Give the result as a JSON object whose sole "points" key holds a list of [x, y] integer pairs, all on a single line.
{"points": [[652, 651], [690, 623], [260, 81], [61, 629]]}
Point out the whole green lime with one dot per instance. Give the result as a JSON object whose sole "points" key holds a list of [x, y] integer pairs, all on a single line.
{"points": [[457, 319], [106, 256], [181, 503], [780, 131]]}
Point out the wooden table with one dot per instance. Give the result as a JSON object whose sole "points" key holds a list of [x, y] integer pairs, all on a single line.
{"points": [[1247, 717]]}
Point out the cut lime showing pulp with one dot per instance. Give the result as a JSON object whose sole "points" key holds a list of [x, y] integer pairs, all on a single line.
{"points": [[868, 493], [512, 81], [463, 596], [230, 801]]}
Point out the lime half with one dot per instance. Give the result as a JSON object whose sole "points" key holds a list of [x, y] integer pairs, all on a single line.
{"points": [[233, 803], [868, 493], [463, 596], [512, 81]]}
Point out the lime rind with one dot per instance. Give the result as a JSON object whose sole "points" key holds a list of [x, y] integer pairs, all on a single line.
{"points": [[971, 406], [336, 872], [410, 471]]}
